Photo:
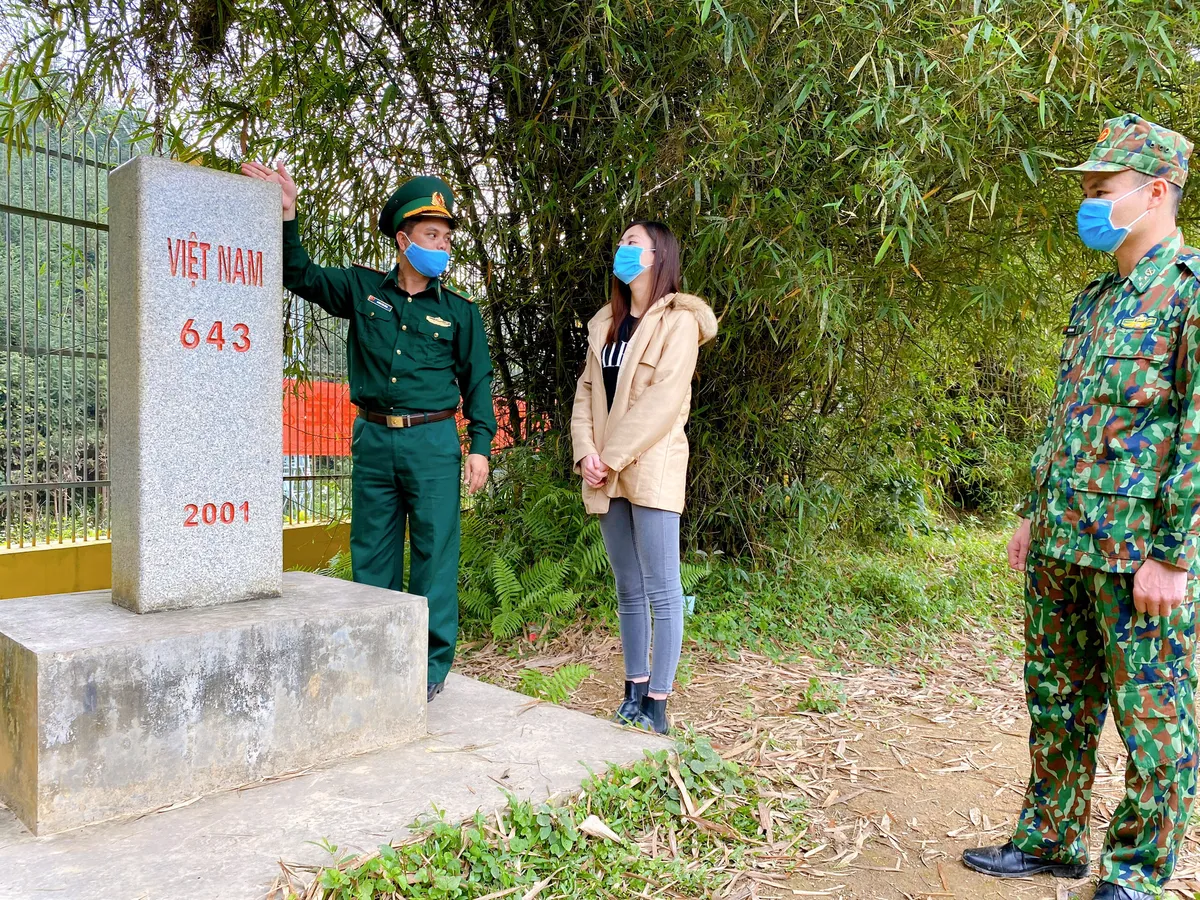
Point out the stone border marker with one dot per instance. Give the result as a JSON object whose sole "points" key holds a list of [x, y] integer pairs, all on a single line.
{"points": [[106, 713], [195, 364]]}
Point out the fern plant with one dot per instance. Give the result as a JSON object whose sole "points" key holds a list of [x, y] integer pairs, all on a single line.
{"points": [[530, 553], [339, 566], [691, 574], [558, 686], [496, 592]]}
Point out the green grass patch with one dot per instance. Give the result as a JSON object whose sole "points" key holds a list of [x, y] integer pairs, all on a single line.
{"points": [[884, 603], [674, 824]]}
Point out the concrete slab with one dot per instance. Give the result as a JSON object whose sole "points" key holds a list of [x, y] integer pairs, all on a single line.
{"points": [[104, 712], [483, 741]]}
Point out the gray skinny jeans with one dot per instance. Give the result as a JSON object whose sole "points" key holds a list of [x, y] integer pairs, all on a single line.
{"points": [[643, 548]]}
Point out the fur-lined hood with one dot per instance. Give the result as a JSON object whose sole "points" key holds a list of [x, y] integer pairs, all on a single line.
{"points": [[705, 317]]}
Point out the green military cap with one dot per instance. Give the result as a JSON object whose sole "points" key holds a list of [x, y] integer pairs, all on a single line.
{"points": [[1130, 142], [420, 196]]}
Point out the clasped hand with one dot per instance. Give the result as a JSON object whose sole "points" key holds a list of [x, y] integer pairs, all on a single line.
{"points": [[595, 472]]}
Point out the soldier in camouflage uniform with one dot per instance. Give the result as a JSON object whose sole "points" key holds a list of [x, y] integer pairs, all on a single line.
{"points": [[1109, 535]]}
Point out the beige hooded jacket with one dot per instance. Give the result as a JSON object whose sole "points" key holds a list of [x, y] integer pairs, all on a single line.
{"points": [[641, 440]]}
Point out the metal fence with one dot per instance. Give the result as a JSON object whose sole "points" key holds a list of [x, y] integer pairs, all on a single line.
{"points": [[54, 351]]}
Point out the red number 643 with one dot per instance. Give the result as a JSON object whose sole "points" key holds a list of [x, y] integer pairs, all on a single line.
{"points": [[190, 337]]}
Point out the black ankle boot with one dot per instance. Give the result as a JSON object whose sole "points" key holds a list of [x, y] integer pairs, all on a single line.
{"points": [[653, 716], [632, 704]]}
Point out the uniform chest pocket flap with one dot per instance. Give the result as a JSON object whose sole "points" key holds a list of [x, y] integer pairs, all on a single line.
{"points": [[1120, 477], [442, 330], [1133, 366], [432, 340], [374, 309]]}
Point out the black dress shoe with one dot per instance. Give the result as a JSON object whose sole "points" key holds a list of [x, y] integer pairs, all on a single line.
{"points": [[1106, 890], [1006, 861], [433, 689], [632, 704]]}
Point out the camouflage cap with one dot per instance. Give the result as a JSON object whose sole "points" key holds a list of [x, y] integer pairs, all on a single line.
{"points": [[1130, 142]]}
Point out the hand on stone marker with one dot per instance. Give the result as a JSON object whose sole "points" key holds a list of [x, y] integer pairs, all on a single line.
{"points": [[476, 475], [1158, 588], [1018, 547], [280, 176]]}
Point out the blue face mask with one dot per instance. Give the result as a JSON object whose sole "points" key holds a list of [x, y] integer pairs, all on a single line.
{"points": [[430, 263], [627, 264], [1095, 225]]}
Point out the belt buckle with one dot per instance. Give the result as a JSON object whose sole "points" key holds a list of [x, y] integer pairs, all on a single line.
{"points": [[395, 421]]}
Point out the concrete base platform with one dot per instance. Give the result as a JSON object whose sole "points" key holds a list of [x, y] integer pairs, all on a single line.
{"points": [[104, 712], [483, 741]]}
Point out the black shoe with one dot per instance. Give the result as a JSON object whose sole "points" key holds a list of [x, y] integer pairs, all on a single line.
{"points": [[652, 716], [433, 689], [1006, 861], [632, 704], [1106, 890]]}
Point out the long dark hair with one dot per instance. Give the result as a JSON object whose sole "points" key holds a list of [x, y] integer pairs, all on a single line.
{"points": [[665, 272]]}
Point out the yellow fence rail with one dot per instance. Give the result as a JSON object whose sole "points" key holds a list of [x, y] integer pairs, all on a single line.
{"points": [[67, 568]]}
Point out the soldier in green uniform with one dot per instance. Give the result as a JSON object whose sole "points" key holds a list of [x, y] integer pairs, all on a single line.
{"points": [[1109, 535], [414, 347]]}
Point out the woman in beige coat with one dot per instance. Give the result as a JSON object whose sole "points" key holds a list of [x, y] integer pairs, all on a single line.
{"points": [[631, 404]]}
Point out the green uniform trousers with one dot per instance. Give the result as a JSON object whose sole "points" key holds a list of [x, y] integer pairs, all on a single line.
{"points": [[410, 477], [1086, 648]]}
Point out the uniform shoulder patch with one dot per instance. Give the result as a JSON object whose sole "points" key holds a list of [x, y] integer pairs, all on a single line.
{"points": [[1190, 260], [457, 292], [1096, 284], [359, 265]]}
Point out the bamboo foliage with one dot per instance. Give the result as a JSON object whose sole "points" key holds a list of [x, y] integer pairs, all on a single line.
{"points": [[863, 190]]}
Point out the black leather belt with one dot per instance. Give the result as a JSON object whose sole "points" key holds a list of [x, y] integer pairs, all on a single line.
{"points": [[405, 421]]}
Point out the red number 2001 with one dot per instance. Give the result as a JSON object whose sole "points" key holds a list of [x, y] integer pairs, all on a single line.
{"points": [[195, 515]]}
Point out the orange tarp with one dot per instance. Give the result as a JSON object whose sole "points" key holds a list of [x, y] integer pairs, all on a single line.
{"points": [[318, 419]]}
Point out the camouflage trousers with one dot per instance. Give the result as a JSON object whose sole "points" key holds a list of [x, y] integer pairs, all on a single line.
{"points": [[1086, 647]]}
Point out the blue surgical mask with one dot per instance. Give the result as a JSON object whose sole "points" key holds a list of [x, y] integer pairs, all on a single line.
{"points": [[430, 263], [627, 264], [1095, 224]]}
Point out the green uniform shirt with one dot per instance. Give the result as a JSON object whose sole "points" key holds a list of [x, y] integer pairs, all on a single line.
{"points": [[1115, 478], [408, 353]]}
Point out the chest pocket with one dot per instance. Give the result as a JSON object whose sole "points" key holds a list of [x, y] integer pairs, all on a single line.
{"points": [[647, 363], [432, 341], [376, 323], [1133, 366]]}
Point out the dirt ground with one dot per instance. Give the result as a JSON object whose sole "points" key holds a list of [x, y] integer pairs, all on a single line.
{"points": [[909, 770]]}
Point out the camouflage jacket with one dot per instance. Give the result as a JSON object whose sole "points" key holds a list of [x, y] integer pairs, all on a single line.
{"points": [[1114, 479]]}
